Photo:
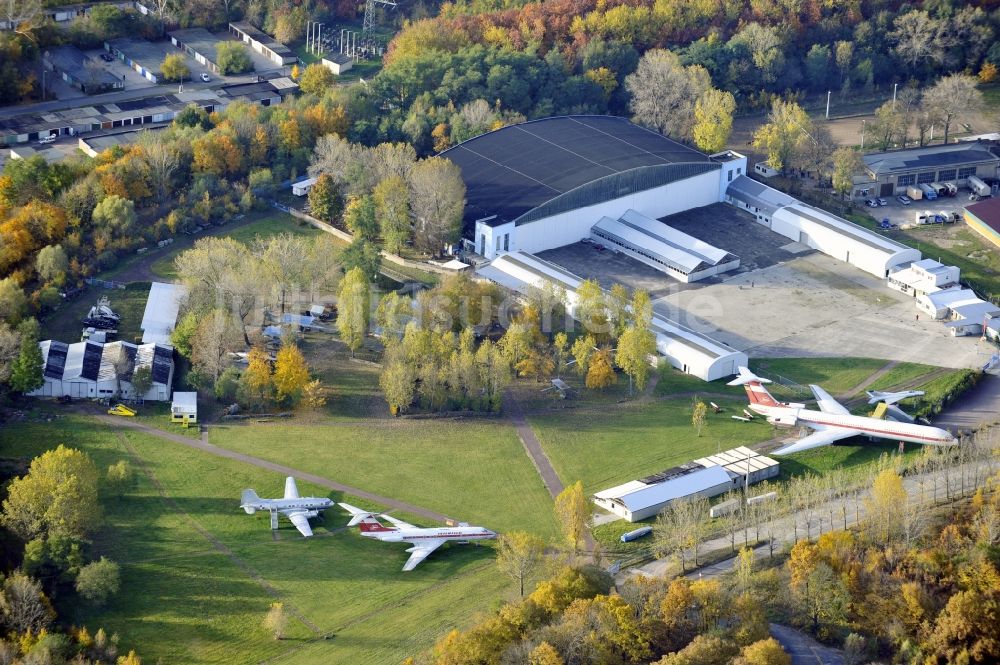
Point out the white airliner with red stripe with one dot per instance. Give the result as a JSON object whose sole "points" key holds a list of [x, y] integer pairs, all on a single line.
{"points": [[832, 422], [424, 541]]}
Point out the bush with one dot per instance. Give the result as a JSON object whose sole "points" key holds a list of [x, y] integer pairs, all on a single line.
{"points": [[98, 581], [232, 58]]}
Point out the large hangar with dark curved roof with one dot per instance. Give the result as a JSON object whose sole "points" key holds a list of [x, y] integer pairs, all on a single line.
{"points": [[545, 183]]}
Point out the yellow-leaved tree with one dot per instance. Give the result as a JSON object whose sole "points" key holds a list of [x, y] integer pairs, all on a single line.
{"points": [[291, 374], [572, 513]]}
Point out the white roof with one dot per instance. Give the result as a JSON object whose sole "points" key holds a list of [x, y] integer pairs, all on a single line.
{"points": [[975, 311], [656, 238], [162, 307], [673, 339], [455, 264], [305, 183], [811, 215], [621, 490], [675, 488], [931, 266], [951, 298], [74, 361], [672, 236], [186, 399]]}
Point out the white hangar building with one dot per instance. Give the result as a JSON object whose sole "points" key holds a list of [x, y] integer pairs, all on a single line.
{"points": [[92, 370], [819, 229], [545, 183], [706, 477], [685, 349]]}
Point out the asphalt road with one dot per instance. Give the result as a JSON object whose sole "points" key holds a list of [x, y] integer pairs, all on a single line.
{"points": [[980, 406]]}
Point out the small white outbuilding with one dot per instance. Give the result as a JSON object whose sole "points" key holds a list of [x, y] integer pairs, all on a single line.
{"points": [[184, 408]]}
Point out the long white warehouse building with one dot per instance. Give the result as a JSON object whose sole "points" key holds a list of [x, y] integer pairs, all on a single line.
{"points": [[819, 229], [685, 349]]}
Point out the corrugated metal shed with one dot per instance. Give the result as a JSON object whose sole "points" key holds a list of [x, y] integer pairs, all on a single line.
{"points": [[160, 315]]}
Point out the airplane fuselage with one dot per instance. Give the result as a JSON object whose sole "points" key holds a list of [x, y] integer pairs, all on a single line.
{"points": [[304, 503], [463, 533], [865, 426]]}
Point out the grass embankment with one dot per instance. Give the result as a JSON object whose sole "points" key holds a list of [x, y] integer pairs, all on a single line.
{"points": [[198, 574]]}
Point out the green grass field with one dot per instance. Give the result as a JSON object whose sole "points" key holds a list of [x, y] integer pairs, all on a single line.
{"points": [[604, 450], [199, 574], [474, 470]]}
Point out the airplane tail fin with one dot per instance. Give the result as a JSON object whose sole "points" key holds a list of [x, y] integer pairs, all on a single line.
{"points": [[754, 385], [248, 500]]}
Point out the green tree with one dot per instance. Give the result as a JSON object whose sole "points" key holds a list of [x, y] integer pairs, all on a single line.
{"points": [[58, 496], [227, 384], [98, 581], [359, 217], [12, 301], [393, 311], [115, 214], [184, 332], [846, 163], [353, 308], [26, 371], [52, 264], [174, 68], [291, 374], [232, 58], [363, 255], [119, 477], [713, 120], [518, 554], [635, 346], [325, 199], [782, 137], [142, 380], [316, 79], [397, 383], [572, 513], [392, 203]]}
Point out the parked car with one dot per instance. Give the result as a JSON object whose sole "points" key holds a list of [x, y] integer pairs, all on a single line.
{"points": [[881, 202], [904, 199], [47, 139], [107, 57], [205, 77], [871, 203]]}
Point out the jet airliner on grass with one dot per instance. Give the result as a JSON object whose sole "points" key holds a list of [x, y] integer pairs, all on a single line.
{"points": [[296, 508], [424, 541], [832, 422]]}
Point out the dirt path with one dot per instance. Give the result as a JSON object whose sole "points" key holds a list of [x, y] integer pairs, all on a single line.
{"points": [[803, 649], [538, 457], [211, 449], [217, 544], [885, 369]]}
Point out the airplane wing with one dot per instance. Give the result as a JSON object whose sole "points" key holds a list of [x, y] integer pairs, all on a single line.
{"points": [[826, 403], [420, 551], [823, 437], [399, 523], [300, 521], [291, 491]]}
